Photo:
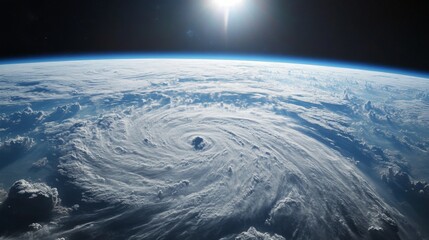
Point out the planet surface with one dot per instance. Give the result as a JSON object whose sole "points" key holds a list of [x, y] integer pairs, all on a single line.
{"points": [[211, 149]]}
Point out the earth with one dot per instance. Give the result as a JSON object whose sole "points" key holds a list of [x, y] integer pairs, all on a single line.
{"points": [[212, 149]]}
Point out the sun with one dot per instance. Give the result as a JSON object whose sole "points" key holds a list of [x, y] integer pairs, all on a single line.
{"points": [[227, 4]]}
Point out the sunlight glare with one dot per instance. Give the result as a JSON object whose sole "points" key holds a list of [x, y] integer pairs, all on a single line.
{"points": [[227, 4]]}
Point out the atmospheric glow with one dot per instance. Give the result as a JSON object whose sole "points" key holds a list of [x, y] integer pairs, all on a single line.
{"points": [[227, 4]]}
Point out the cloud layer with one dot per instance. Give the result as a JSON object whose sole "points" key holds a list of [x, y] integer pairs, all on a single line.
{"points": [[220, 149]]}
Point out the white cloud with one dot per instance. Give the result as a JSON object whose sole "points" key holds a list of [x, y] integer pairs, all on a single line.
{"points": [[29, 202]]}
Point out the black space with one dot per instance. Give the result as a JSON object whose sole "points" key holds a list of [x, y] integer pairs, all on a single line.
{"points": [[387, 32]]}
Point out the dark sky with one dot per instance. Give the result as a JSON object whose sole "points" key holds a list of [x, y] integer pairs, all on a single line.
{"points": [[385, 32]]}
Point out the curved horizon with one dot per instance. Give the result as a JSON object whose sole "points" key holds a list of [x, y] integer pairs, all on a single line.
{"points": [[216, 56]]}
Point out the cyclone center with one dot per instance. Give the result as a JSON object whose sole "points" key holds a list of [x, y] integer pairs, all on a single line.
{"points": [[198, 143]]}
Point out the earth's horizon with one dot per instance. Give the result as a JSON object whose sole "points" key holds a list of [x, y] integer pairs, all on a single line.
{"points": [[356, 65]]}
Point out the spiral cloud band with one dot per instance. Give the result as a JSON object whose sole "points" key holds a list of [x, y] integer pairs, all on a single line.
{"points": [[253, 164]]}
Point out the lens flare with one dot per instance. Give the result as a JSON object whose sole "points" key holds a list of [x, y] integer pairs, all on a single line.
{"points": [[226, 6]]}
